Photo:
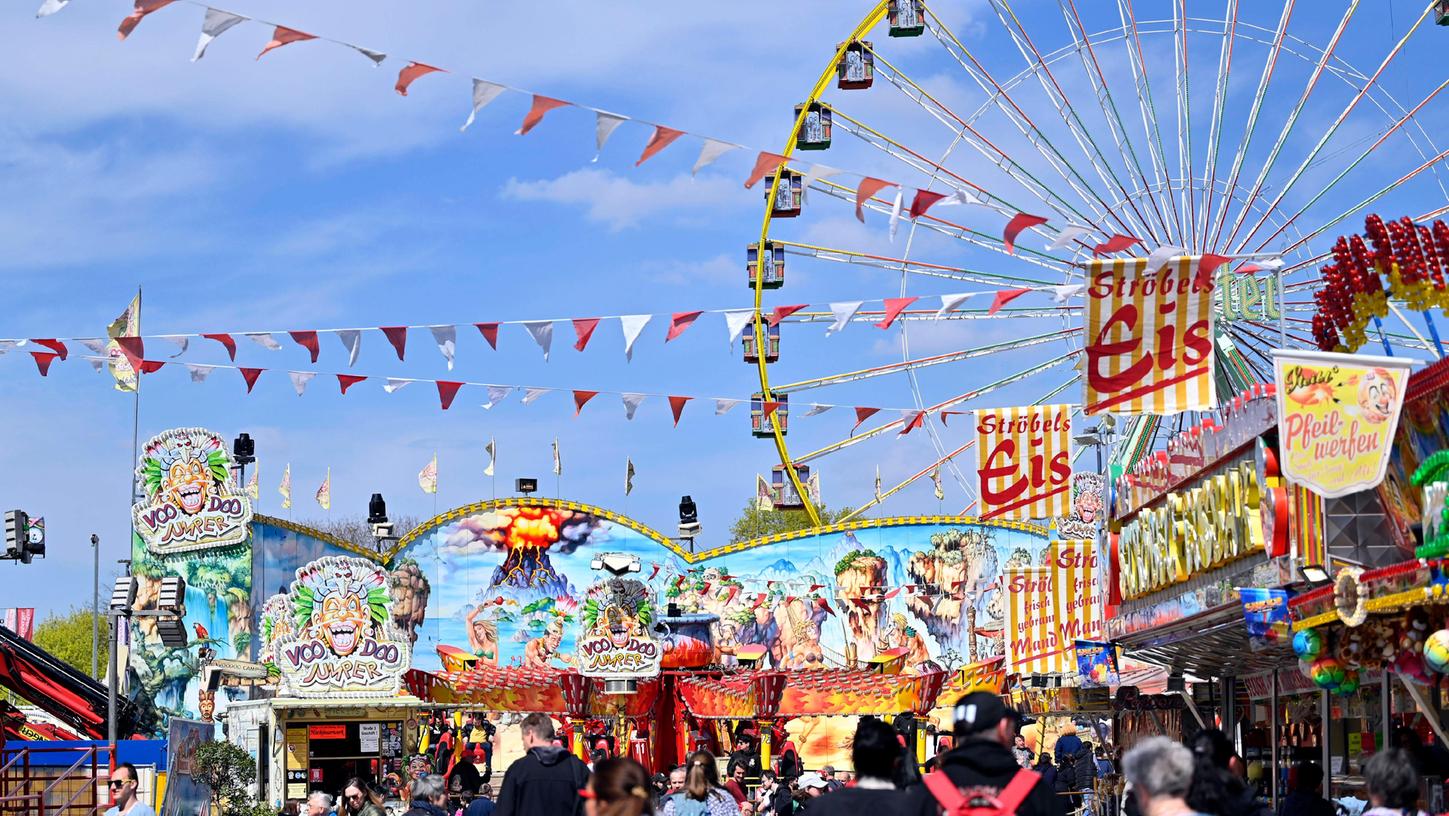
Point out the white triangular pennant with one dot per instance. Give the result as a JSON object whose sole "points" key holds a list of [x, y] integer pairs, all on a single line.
{"points": [[1061, 293], [1275, 262], [950, 302], [447, 339], [300, 380], [376, 56], [817, 172], [181, 342], [542, 331], [50, 7], [531, 394], [264, 340], [604, 126], [352, 341], [198, 372], [213, 25], [842, 312], [959, 198], [736, 320], [1162, 255], [97, 346], [1067, 236], [896, 212], [97, 365], [723, 406], [817, 409], [632, 326], [631, 404], [483, 93], [497, 394], [712, 150], [394, 385]]}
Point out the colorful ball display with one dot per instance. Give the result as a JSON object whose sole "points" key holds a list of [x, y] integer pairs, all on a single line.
{"points": [[1436, 651], [1328, 673], [1349, 684], [1308, 644]]}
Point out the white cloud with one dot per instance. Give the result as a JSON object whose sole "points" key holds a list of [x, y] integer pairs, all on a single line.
{"points": [[620, 203]]}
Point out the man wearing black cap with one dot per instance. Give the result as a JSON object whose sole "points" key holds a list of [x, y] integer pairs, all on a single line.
{"points": [[981, 768]]}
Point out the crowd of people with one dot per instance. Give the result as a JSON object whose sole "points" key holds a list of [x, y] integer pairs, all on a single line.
{"points": [[986, 768]]}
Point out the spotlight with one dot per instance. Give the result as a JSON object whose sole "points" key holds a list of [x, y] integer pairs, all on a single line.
{"points": [[689, 526], [525, 486], [1315, 575], [244, 449], [376, 509]]}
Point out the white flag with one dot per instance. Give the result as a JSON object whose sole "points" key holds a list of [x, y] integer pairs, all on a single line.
{"points": [[428, 476], [254, 484], [950, 302], [1067, 236], [394, 385], [896, 212], [198, 371], [735, 322], [483, 93], [324, 493], [531, 394], [628, 476], [817, 409], [96, 345], [542, 331], [352, 341], [182, 343], [285, 488], [557, 462], [300, 380], [632, 325], [497, 394], [817, 172], [492, 457], [50, 7], [376, 56], [959, 198], [1061, 293], [264, 340], [842, 312], [723, 406], [712, 150], [604, 126], [877, 482], [1275, 262], [936, 480], [216, 23], [1162, 255], [447, 339], [631, 404]]}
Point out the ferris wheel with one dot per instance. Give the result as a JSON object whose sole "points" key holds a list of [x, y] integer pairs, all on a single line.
{"points": [[1257, 133]]}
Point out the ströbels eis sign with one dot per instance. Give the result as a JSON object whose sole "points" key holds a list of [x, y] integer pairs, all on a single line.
{"points": [[1212, 498]]}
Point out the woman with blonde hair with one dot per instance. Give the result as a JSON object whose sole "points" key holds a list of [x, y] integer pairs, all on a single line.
{"points": [[619, 787], [702, 795]]}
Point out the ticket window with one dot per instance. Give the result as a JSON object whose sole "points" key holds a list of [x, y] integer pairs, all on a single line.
{"points": [[339, 751]]}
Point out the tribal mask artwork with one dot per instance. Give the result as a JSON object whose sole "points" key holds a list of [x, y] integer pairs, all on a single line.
{"points": [[341, 605], [190, 499]]}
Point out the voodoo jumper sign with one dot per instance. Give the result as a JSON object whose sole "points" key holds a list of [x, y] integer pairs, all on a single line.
{"points": [[616, 643], [337, 636], [189, 500]]}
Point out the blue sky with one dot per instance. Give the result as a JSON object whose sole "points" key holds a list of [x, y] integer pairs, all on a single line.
{"points": [[300, 192]]}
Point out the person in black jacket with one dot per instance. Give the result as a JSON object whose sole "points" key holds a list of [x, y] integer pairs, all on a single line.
{"points": [[1084, 774], [1216, 790], [875, 754], [981, 766], [547, 780]]}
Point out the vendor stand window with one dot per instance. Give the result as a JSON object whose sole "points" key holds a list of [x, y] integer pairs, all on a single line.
{"points": [[322, 756]]}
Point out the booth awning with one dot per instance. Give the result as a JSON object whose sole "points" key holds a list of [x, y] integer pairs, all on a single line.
{"points": [[491, 688], [1213, 643], [819, 692]]}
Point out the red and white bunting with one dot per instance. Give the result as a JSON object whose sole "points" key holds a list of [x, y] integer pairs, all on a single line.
{"points": [[490, 333], [679, 322], [661, 138], [283, 36], [398, 337], [867, 188], [542, 333], [540, 107], [410, 74], [1019, 222], [632, 326], [893, 309], [484, 92], [583, 331], [676, 407], [446, 337]]}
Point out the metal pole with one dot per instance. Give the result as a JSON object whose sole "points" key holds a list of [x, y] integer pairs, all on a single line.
{"points": [[1386, 709], [1273, 742], [116, 617], [96, 607], [1326, 749]]}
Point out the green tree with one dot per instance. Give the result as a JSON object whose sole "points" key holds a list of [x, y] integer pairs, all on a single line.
{"points": [[755, 523], [228, 771], [68, 637]]}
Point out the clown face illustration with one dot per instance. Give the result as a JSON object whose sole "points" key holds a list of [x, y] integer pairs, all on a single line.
{"points": [[343, 622], [187, 484], [1377, 393]]}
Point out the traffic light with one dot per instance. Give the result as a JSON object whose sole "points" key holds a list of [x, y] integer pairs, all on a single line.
{"points": [[17, 540]]}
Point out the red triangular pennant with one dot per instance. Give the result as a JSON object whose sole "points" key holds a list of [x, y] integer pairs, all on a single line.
{"points": [[134, 349], [945, 414], [447, 389], [283, 36], [43, 359], [307, 340], [663, 137], [346, 381], [862, 414], [584, 328], [150, 366], [923, 201], [893, 309], [765, 163], [541, 105], [771, 406], [54, 345], [1116, 243], [782, 312], [1206, 266], [490, 333], [581, 398], [916, 420], [226, 341], [398, 336], [680, 321], [143, 7], [410, 72], [1018, 222], [1004, 297], [868, 187], [676, 406], [250, 375]]}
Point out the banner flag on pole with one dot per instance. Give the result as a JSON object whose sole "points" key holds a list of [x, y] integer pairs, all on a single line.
{"points": [[123, 330], [628, 476], [557, 462], [428, 476], [324, 493], [492, 450], [254, 486], [285, 488]]}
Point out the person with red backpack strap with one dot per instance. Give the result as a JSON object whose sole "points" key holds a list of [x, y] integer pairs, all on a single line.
{"points": [[980, 775]]}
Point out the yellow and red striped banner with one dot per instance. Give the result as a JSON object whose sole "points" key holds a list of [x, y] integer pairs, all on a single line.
{"points": [[1024, 461], [1076, 591], [1307, 520], [1149, 341], [1033, 643]]}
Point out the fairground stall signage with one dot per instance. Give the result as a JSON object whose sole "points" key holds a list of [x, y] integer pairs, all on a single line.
{"points": [[333, 633], [1024, 461], [188, 498], [616, 642], [1213, 498]]}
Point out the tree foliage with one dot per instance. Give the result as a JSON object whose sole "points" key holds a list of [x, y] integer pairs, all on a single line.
{"points": [[228, 771], [68, 637], [355, 529], [755, 523]]}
